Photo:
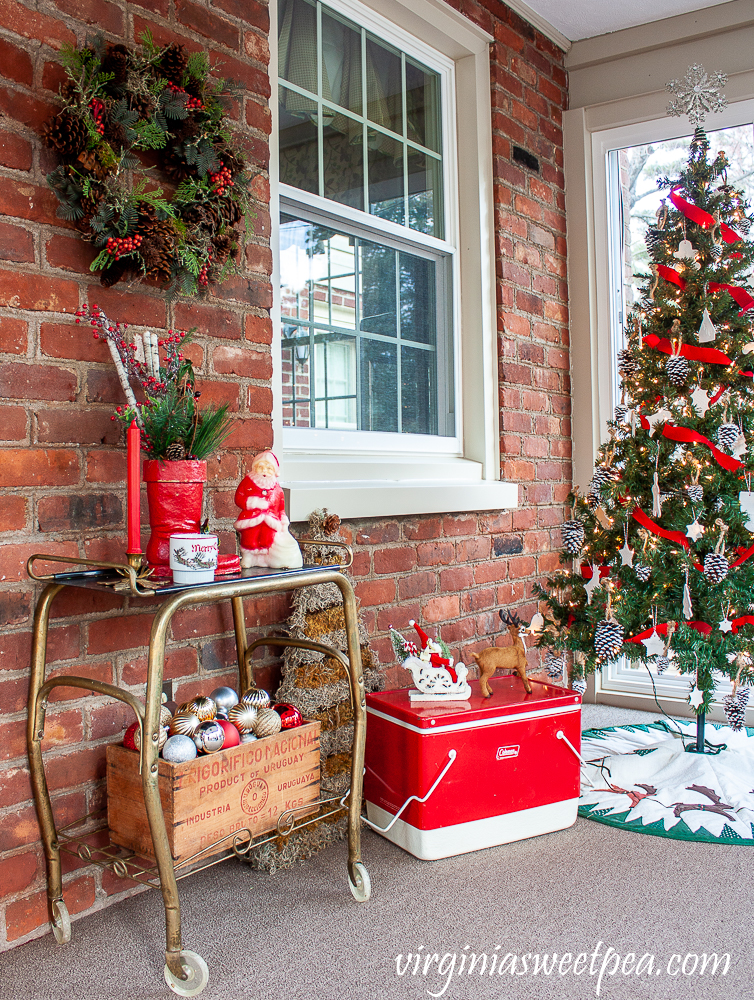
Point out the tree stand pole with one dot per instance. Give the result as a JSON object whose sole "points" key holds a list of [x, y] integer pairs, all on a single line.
{"points": [[700, 732]]}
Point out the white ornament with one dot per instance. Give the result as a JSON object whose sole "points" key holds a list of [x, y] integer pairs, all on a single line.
{"points": [[700, 400], [707, 331], [685, 253], [696, 697], [627, 555], [738, 448], [694, 531], [661, 417], [656, 497], [436, 683], [746, 503], [679, 454], [687, 607], [537, 624], [593, 583], [654, 644], [725, 625], [748, 348], [697, 94]]}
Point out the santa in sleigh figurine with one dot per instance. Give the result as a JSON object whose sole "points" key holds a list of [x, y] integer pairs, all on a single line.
{"points": [[431, 667]]}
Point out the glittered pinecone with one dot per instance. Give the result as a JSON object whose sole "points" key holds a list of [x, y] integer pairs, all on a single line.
{"points": [[578, 684], [727, 435], [734, 706], [66, 133], [642, 572], [572, 535], [173, 62], [608, 638], [695, 492], [715, 567], [554, 664], [678, 370], [175, 452], [628, 366], [662, 663]]}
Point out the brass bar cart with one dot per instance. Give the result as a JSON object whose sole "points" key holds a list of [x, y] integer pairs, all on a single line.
{"points": [[185, 972]]}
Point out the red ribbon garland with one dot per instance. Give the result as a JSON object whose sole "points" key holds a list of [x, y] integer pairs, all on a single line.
{"points": [[670, 274], [743, 620], [686, 436], [740, 295], [701, 217], [710, 355], [586, 572], [702, 627], [654, 527]]}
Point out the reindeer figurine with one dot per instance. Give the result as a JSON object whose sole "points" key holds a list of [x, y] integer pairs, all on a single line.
{"points": [[503, 657]]}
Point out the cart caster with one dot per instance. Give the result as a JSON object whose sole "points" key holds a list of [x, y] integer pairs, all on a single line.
{"points": [[60, 921], [197, 975], [362, 889]]}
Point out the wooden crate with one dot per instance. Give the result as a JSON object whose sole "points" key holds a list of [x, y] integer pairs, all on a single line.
{"points": [[215, 795]]}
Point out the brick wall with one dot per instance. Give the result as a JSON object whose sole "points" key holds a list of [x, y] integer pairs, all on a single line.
{"points": [[62, 464]]}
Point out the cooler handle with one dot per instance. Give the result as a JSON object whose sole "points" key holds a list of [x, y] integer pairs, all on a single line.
{"points": [[562, 736], [452, 754]]}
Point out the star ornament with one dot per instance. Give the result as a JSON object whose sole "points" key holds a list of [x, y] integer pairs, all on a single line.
{"points": [[725, 625], [700, 400], [694, 531], [696, 698], [654, 644], [627, 555]]}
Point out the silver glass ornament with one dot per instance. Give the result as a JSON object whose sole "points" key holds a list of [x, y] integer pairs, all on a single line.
{"points": [[209, 737], [225, 698], [256, 697], [249, 737], [178, 749]]}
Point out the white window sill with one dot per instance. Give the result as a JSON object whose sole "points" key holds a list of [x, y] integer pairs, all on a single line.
{"points": [[370, 488]]}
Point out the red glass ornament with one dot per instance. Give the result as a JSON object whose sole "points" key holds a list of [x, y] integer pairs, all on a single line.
{"points": [[290, 717], [128, 737], [232, 736]]}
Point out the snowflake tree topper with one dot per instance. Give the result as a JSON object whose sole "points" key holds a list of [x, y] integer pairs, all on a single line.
{"points": [[697, 94]]}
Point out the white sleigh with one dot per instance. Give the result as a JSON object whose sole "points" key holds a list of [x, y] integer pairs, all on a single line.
{"points": [[435, 683]]}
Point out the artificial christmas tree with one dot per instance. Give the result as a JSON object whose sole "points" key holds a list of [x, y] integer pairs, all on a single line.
{"points": [[668, 547]]}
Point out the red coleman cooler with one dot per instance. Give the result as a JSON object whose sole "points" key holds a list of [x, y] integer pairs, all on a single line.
{"points": [[467, 775]]}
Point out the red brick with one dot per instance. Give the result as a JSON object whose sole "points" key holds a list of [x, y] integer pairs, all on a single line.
{"points": [[223, 323], [440, 609], [39, 467], [15, 785], [251, 11], [26, 915], [71, 254], [76, 768], [15, 151], [374, 592], [457, 578], [258, 116], [259, 258], [476, 600], [219, 393], [241, 361], [250, 433], [106, 466], [36, 292], [39, 27], [463, 525], [181, 662], [429, 527], [61, 729], [490, 572], [256, 47], [53, 76], [15, 647], [12, 512], [154, 6], [255, 80], [471, 549], [102, 671], [80, 426], [109, 635], [399, 617], [79, 512], [259, 400], [103, 387], [24, 108], [258, 329], [201, 20], [16, 244], [20, 381], [15, 607], [76, 601], [13, 558], [110, 720], [435, 554], [107, 16], [13, 335], [458, 631], [13, 423], [394, 560], [131, 307]]}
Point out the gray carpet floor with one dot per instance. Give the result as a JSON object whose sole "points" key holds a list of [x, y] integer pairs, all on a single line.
{"points": [[299, 935]]}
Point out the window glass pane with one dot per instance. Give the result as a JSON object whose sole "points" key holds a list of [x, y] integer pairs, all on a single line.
{"points": [[379, 386], [386, 178], [335, 380], [343, 165], [341, 63], [418, 310], [297, 43], [423, 105], [384, 86], [378, 293], [299, 162], [424, 194], [418, 393], [296, 365]]}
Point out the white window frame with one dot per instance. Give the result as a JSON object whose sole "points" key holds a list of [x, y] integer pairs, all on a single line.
{"points": [[596, 300], [363, 474]]}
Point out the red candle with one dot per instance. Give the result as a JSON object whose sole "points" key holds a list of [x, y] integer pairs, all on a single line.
{"points": [[133, 438]]}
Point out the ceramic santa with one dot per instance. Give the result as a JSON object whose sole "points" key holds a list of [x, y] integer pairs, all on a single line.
{"points": [[262, 525]]}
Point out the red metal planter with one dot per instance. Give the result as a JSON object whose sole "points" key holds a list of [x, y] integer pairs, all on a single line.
{"points": [[175, 491]]}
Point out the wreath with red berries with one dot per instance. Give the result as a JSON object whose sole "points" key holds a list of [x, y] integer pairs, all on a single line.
{"points": [[129, 116]]}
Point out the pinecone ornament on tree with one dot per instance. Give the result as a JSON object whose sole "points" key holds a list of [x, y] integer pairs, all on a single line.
{"points": [[628, 366], [715, 567], [572, 535], [554, 664], [695, 492], [662, 663], [578, 684], [608, 638], [642, 572], [727, 435], [734, 706], [678, 370]]}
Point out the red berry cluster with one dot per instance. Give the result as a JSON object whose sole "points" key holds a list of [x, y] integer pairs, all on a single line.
{"points": [[119, 245], [98, 114], [221, 180], [192, 103]]}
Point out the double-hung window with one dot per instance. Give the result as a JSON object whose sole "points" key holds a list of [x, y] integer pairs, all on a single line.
{"points": [[377, 326]]}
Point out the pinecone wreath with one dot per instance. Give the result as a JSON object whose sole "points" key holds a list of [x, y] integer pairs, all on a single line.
{"points": [[318, 687], [608, 638], [734, 706]]}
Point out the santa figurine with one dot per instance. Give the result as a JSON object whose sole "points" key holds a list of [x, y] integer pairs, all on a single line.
{"points": [[262, 525]]}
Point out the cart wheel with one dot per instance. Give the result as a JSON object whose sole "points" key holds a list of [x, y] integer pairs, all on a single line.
{"points": [[362, 890], [197, 975], [60, 922]]}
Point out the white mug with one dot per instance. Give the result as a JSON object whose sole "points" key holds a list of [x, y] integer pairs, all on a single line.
{"points": [[193, 557]]}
